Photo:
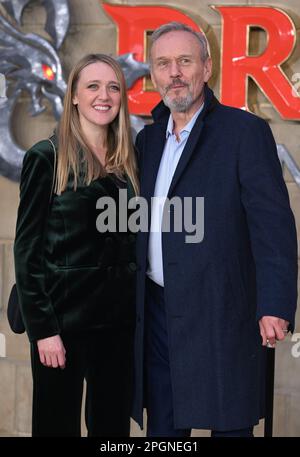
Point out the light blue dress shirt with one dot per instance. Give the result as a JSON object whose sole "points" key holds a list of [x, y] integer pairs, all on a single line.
{"points": [[169, 161]]}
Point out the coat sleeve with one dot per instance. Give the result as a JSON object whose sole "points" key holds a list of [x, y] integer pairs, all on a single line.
{"points": [[270, 221], [35, 191]]}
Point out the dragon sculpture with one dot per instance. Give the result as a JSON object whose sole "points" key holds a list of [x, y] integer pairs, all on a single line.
{"points": [[31, 64]]}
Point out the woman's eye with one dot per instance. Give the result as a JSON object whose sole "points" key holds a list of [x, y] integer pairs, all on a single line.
{"points": [[92, 86], [114, 88]]}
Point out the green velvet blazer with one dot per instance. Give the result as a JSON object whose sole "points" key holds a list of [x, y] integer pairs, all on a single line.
{"points": [[70, 277]]}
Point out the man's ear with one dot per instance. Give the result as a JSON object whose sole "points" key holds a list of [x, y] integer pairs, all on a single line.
{"points": [[153, 80], [207, 69]]}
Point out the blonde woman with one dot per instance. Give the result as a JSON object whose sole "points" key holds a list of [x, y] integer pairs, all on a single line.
{"points": [[76, 284]]}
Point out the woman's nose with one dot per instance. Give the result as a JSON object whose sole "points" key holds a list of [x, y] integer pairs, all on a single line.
{"points": [[103, 93]]}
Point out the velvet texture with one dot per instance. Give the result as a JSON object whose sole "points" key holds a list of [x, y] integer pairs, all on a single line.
{"points": [[104, 358], [70, 277]]}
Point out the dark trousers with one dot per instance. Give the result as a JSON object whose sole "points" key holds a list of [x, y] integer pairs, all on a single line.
{"points": [[158, 386], [104, 358]]}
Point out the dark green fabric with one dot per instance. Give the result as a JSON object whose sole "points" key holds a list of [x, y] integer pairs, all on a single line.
{"points": [[70, 277]]}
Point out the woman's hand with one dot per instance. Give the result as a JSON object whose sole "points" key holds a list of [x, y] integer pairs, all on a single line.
{"points": [[52, 352]]}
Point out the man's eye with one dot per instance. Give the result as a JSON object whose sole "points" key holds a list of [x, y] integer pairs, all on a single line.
{"points": [[162, 63], [184, 61]]}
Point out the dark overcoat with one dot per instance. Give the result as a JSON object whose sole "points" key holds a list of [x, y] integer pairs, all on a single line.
{"points": [[218, 289], [70, 277]]}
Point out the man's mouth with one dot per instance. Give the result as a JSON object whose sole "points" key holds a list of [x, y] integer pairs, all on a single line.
{"points": [[178, 85]]}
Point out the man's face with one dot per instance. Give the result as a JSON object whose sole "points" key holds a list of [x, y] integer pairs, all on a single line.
{"points": [[178, 72]]}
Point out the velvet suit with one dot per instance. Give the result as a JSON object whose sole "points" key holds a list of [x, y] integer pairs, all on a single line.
{"points": [[72, 280]]}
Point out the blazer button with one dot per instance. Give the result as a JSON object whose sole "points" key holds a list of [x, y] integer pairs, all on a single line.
{"points": [[132, 266], [108, 240], [131, 238], [109, 270]]}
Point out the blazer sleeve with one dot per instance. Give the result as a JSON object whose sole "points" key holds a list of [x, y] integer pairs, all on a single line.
{"points": [[35, 192], [139, 146], [270, 221]]}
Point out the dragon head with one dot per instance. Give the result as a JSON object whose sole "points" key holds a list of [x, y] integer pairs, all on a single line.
{"points": [[30, 62]]}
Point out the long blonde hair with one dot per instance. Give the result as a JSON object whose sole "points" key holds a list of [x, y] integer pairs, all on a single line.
{"points": [[74, 155]]}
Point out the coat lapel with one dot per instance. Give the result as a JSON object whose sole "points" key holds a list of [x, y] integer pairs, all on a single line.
{"points": [[155, 142], [193, 139]]}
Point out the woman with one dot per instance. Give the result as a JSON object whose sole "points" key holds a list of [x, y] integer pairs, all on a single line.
{"points": [[75, 284]]}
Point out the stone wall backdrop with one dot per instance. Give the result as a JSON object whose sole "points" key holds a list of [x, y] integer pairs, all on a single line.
{"points": [[92, 31]]}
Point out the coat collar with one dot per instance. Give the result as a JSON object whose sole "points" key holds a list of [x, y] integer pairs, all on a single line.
{"points": [[161, 112], [158, 137]]}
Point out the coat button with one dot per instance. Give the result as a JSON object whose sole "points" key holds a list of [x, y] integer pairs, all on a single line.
{"points": [[131, 238], [132, 266]]}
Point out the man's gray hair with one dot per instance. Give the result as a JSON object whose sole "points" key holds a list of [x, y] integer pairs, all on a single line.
{"points": [[180, 27]]}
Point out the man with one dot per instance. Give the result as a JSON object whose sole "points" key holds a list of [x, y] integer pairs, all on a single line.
{"points": [[205, 310]]}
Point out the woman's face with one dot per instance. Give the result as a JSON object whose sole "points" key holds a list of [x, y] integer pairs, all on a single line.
{"points": [[97, 95]]}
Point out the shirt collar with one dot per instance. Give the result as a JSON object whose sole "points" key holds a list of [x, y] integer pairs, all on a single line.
{"points": [[187, 128]]}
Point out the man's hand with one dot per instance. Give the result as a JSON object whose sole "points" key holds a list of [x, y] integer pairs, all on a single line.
{"points": [[52, 352], [272, 329]]}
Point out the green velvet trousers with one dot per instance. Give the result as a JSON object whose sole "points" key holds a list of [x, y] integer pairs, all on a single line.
{"points": [[102, 357]]}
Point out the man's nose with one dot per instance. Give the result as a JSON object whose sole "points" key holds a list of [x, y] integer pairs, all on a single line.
{"points": [[175, 70]]}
